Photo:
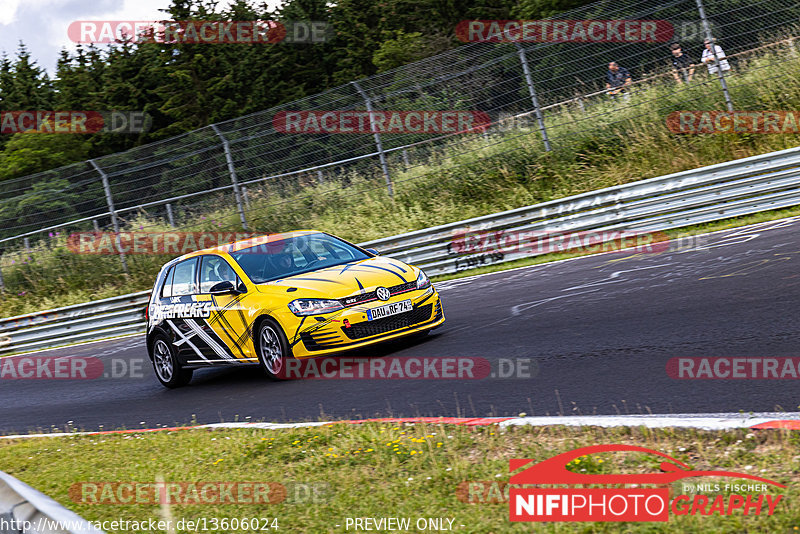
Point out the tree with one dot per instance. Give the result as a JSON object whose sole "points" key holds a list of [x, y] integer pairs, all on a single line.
{"points": [[28, 153], [31, 88]]}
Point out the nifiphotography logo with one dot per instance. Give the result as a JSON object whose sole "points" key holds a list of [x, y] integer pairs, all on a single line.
{"points": [[605, 497]]}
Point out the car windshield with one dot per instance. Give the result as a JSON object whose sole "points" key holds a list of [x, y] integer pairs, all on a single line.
{"points": [[299, 254]]}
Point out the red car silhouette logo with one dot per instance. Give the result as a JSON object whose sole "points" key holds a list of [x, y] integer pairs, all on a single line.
{"points": [[554, 470]]}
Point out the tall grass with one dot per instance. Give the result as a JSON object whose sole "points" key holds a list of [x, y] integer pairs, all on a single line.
{"points": [[610, 143]]}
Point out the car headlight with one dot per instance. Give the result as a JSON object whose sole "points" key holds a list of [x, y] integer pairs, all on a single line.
{"points": [[302, 307], [423, 281]]}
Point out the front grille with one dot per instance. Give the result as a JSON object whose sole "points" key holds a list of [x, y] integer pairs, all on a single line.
{"points": [[366, 297], [388, 324]]}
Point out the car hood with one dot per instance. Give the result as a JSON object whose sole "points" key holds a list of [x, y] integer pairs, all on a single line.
{"points": [[347, 279]]}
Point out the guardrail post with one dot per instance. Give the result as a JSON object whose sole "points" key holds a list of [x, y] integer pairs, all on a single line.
{"points": [[26, 242], [113, 212], [170, 216], [534, 99], [2, 282], [320, 176], [405, 159], [720, 75], [232, 170], [377, 136], [95, 225]]}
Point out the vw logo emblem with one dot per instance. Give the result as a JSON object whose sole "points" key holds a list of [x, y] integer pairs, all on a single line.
{"points": [[383, 293]]}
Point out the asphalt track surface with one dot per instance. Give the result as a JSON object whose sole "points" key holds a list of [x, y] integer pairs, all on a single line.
{"points": [[598, 332]]}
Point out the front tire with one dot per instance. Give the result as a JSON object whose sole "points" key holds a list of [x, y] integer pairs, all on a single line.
{"points": [[168, 370], [273, 349]]}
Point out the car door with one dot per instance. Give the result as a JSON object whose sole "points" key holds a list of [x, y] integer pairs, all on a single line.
{"points": [[229, 320], [178, 309]]}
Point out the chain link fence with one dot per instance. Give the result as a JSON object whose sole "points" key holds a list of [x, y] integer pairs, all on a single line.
{"points": [[551, 93]]}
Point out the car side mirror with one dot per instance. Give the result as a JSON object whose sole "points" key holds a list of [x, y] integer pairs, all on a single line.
{"points": [[223, 288], [373, 251]]}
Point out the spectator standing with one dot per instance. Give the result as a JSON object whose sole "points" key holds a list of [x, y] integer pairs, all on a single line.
{"points": [[708, 58], [683, 67], [618, 79]]}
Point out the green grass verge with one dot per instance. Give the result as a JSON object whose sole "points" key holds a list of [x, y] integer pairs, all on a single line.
{"points": [[385, 470]]}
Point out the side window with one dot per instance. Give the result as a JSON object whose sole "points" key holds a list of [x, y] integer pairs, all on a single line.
{"points": [[214, 270], [183, 282], [166, 289]]}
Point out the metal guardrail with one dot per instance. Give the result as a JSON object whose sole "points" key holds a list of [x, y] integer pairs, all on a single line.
{"points": [[26, 510], [721, 191], [112, 317]]}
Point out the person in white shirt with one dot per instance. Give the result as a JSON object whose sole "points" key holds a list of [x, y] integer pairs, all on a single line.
{"points": [[708, 58]]}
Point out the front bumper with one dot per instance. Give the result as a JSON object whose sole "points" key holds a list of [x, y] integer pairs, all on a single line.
{"points": [[321, 338]]}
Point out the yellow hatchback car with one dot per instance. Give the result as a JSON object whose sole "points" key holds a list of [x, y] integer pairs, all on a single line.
{"points": [[291, 295]]}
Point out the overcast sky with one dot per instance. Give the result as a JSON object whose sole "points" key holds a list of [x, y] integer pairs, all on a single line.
{"points": [[42, 24]]}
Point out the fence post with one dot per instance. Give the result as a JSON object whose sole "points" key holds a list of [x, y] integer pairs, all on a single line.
{"points": [[532, 90], [236, 192], [2, 282], [170, 216], [113, 212], [707, 30], [377, 136]]}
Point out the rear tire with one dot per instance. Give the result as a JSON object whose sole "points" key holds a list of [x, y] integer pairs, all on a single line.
{"points": [[168, 370], [273, 349]]}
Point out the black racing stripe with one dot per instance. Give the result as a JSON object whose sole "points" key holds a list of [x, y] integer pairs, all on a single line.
{"points": [[388, 271], [347, 266], [397, 267], [223, 322], [213, 336], [297, 332], [424, 300]]}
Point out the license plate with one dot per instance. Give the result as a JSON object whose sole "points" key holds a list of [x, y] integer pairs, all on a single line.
{"points": [[389, 309]]}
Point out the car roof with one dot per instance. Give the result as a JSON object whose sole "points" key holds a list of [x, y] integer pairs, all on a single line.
{"points": [[227, 248]]}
